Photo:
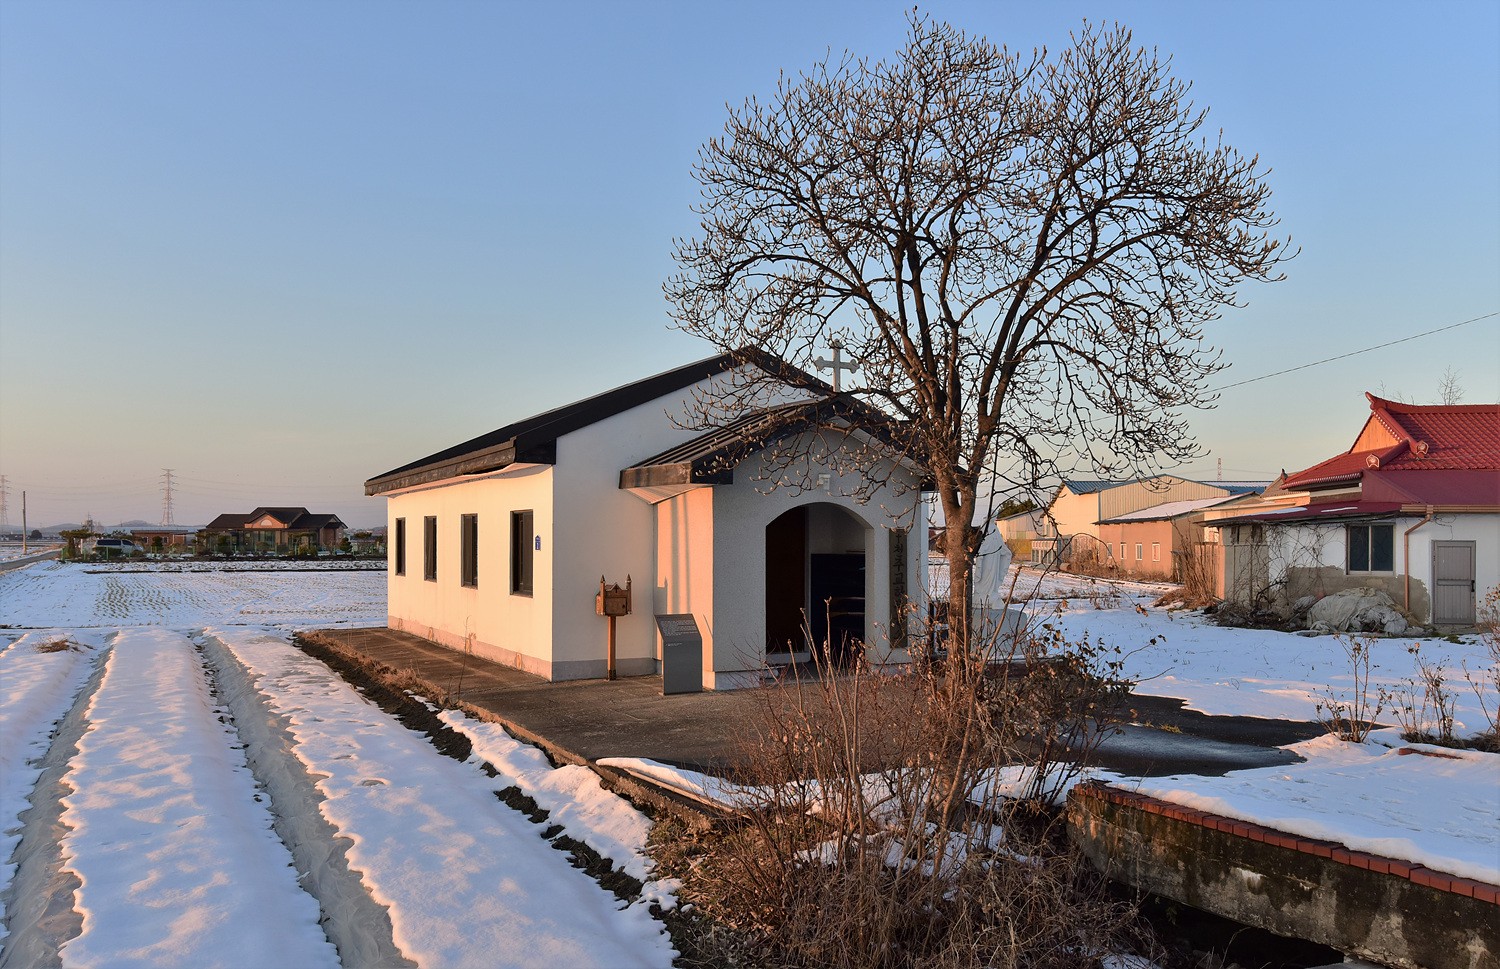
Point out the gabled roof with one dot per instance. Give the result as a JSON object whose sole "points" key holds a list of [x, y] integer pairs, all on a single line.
{"points": [[1167, 510], [310, 522], [1087, 486], [1412, 437], [293, 517], [286, 514], [710, 458], [534, 439]]}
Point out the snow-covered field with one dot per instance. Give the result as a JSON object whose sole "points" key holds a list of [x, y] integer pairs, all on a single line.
{"points": [[75, 595], [1439, 811], [183, 787], [1242, 672]]}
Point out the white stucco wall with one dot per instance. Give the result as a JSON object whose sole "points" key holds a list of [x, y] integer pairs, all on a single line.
{"points": [[511, 629], [1323, 547], [602, 530], [734, 646]]}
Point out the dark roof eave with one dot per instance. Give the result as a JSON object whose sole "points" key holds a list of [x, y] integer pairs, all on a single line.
{"points": [[490, 459], [673, 475]]}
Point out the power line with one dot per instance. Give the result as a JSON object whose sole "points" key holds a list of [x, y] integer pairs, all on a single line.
{"points": [[1355, 353]]}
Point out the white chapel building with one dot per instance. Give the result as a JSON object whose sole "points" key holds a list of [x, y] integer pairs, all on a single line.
{"points": [[498, 544]]}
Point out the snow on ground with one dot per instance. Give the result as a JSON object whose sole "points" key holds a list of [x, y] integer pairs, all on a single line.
{"points": [[79, 595], [572, 795], [467, 880], [176, 851], [41, 681], [173, 847], [1439, 808], [1242, 672]]}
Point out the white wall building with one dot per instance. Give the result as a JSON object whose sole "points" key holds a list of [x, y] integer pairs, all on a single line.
{"points": [[498, 544], [1411, 509]]}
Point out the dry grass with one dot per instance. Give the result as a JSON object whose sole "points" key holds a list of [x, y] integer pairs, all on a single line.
{"points": [[873, 831], [59, 645]]}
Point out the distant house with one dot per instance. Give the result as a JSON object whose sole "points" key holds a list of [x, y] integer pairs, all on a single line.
{"points": [[1070, 530], [164, 536], [279, 529], [1412, 508], [1155, 542]]}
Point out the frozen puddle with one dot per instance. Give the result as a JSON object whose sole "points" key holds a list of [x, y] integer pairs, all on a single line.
{"points": [[170, 841], [465, 880]]}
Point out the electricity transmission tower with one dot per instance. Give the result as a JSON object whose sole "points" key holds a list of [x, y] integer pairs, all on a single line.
{"points": [[166, 496], [4, 504]]}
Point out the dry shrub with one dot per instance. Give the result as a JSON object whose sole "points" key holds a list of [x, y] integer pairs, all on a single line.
{"points": [[59, 645], [1423, 704], [1351, 715], [1198, 573], [1485, 682], [908, 819]]}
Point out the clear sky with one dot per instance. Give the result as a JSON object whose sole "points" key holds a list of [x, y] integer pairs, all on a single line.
{"points": [[283, 247]]}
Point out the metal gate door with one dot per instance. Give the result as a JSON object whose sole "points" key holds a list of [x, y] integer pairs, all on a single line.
{"points": [[1453, 583]]}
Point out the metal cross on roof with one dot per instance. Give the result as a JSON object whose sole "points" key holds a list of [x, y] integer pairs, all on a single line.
{"points": [[836, 364]]}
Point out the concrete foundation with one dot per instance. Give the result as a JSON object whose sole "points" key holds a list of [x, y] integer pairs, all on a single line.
{"points": [[1375, 908]]}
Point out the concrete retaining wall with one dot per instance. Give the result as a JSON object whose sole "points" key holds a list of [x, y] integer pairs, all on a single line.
{"points": [[1376, 908]]}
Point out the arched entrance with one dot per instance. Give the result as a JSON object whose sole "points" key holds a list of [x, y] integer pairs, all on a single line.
{"points": [[816, 557]]}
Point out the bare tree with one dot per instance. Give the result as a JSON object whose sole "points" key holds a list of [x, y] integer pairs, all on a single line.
{"points": [[1450, 387], [1021, 249]]}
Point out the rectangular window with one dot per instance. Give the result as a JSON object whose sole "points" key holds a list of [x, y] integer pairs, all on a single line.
{"points": [[1372, 548], [1122, 551], [522, 542], [468, 527], [400, 545], [429, 548], [1138, 552], [1156, 551]]}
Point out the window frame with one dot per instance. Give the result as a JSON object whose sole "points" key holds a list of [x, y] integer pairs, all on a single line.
{"points": [[468, 556], [398, 546], [1156, 551], [429, 548], [1368, 542], [522, 552], [1140, 552]]}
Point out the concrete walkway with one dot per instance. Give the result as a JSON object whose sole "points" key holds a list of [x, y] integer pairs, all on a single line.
{"points": [[583, 720], [32, 559]]}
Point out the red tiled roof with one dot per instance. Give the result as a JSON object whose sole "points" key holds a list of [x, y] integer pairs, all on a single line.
{"points": [[1425, 488], [1429, 437]]}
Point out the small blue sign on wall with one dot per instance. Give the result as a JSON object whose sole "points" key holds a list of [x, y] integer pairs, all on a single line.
{"points": [[538, 541]]}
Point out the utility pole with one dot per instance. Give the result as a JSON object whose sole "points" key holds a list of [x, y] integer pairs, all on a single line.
{"points": [[24, 547], [166, 496]]}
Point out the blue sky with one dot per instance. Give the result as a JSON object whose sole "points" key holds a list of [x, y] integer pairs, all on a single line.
{"points": [[283, 247]]}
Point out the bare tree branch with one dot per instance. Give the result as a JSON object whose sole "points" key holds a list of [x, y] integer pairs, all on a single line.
{"points": [[1023, 250]]}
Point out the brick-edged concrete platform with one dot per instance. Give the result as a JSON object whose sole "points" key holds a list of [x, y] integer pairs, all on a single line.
{"points": [[576, 720], [1389, 911]]}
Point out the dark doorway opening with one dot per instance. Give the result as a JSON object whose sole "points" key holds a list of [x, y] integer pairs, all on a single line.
{"points": [[815, 585], [786, 582]]}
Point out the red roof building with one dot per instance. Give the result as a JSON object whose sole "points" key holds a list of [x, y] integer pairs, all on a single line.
{"points": [[1413, 508]]}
